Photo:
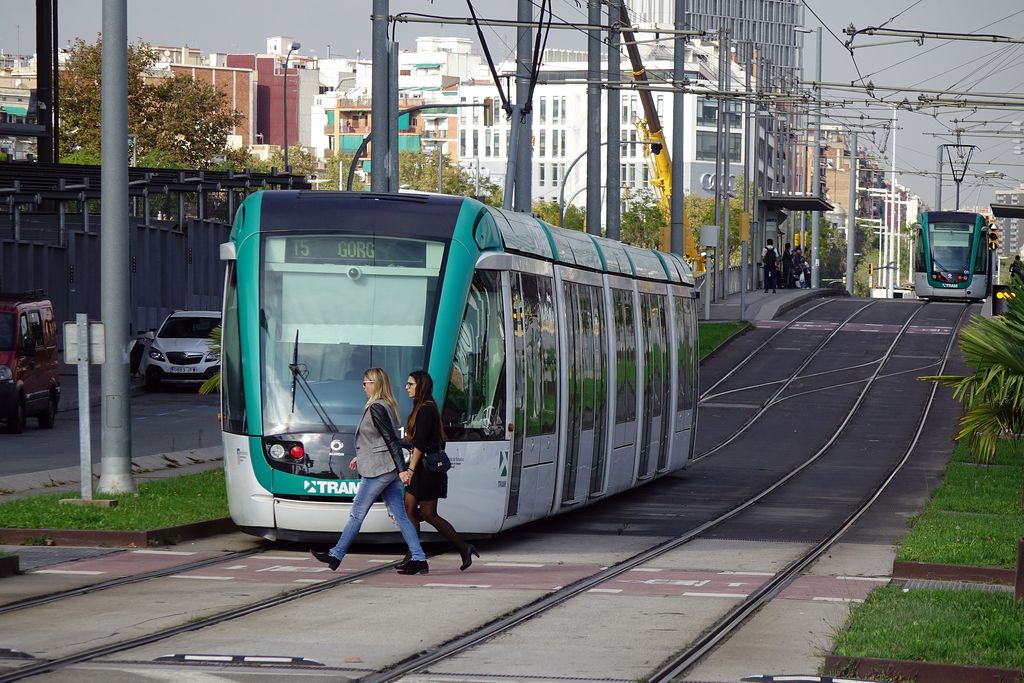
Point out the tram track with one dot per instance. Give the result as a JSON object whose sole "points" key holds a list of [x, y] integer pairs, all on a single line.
{"points": [[518, 616]]}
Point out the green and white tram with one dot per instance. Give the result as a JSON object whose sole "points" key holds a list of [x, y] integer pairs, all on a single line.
{"points": [[566, 364]]}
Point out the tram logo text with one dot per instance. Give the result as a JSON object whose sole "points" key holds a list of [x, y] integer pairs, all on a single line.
{"points": [[323, 487]]}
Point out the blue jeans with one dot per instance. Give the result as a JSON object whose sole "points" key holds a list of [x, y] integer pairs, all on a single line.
{"points": [[388, 486]]}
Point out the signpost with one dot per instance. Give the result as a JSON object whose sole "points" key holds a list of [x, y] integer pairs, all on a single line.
{"points": [[83, 344]]}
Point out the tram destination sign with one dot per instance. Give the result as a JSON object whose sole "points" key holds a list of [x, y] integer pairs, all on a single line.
{"points": [[364, 250]]}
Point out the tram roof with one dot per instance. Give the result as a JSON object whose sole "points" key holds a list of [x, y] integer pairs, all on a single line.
{"points": [[525, 234]]}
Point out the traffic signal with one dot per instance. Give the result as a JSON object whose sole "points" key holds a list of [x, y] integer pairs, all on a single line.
{"points": [[488, 111], [994, 237], [1001, 295]]}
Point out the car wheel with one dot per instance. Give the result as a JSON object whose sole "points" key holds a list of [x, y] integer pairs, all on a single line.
{"points": [[47, 419], [152, 382], [16, 420]]}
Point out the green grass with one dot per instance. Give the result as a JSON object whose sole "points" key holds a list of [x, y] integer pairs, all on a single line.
{"points": [[975, 516], [160, 503], [957, 627], [712, 335]]}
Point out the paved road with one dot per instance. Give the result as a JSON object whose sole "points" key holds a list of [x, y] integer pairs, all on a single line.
{"points": [[171, 420]]}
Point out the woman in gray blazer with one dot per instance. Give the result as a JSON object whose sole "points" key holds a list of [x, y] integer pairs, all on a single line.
{"points": [[379, 459]]}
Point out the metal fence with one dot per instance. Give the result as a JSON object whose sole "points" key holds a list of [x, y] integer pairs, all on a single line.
{"points": [[173, 266]]}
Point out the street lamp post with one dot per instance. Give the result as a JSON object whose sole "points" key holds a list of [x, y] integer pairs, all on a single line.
{"points": [[294, 46]]}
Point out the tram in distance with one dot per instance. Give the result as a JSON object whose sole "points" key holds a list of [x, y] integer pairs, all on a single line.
{"points": [[565, 365], [951, 259]]}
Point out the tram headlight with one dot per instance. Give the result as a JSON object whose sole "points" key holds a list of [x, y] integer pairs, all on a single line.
{"points": [[277, 451]]}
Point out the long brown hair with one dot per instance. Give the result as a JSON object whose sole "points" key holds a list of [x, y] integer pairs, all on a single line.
{"points": [[424, 394], [381, 390]]}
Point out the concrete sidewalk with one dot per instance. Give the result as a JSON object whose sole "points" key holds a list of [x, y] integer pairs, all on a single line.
{"points": [[758, 305]]}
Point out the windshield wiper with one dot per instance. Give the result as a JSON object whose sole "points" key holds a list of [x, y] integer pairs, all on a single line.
{"points": [[298, 377]]}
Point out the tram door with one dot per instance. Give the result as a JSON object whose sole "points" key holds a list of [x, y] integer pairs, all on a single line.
{"points": [[685, 383], [531, 346], [626, 372], [654, 418], [584, 373]]}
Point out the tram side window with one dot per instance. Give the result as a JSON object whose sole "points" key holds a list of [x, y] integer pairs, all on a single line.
{"points": [[919, 260], [232, 382], [539, 333], [682, 355], [474, 407], [981, 257], [625, 358], [655, 365]]}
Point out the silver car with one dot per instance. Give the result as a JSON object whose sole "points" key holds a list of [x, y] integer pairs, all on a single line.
{"points": [[180, 350]]}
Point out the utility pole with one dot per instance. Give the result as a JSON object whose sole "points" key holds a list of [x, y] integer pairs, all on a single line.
{"points": [[718, 159], [613, 201], [816, 176], [851, 215], [677, 227], [593, 119], [524, 162], [726, 167], [379, 95], [938, 178], [116, 471]]}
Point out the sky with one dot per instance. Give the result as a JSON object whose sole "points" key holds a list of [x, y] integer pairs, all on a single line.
{"points": [[342, 27]]}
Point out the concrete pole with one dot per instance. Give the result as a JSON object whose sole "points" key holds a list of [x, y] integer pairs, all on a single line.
{"points": [[893, 227], [523, 198], [726, 167], [613, 204], [677, 224], [513, 153], [938, 179], [392, 117], [718, 156], [379, 96], [851, 216], [116, 473], [593, 120], [747, 185], [816, 177]]}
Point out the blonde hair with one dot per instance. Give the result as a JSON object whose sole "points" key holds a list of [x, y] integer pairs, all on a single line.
{"points": [[381, 390]]}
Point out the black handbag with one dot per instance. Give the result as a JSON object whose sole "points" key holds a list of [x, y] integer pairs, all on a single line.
{"points": [[436, 463]]}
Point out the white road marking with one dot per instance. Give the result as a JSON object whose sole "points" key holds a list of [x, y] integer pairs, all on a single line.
{"points": [[747, 573], [604, 590], [457, 585], [203, 577], [80, 572], [715, 595], [511, 564], [645, 569], [237, 566], [161, 552], [879, 579], [823, 599]]}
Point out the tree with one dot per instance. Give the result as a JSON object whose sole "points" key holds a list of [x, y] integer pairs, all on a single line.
{"points": [[993, 397], [642, 220], [176, 121], [419, 172], [575, 217]]}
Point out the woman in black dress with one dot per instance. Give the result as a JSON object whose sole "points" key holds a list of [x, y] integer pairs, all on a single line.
{"points": [[422, 488]]}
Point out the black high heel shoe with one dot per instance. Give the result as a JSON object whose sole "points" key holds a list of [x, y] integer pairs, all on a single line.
{"points": [[328, 559], [415, 567], [467, 556]]}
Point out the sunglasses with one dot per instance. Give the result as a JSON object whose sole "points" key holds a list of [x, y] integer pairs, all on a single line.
{"points": [[367, 381]]}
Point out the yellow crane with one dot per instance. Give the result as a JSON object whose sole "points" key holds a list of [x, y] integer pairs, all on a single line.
{"points": [[656, 152]]}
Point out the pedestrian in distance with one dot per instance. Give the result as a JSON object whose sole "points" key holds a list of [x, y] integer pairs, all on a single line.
{"points": [[422, 487], [380, 462], [770, 262], [1017, 270], [798, 268], [787, 268]]}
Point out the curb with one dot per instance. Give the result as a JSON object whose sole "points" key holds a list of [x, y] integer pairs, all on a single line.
{"points": [[953, 572], [920, 672], [107, 538]]}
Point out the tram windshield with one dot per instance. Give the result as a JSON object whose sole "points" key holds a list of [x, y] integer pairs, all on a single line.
{"points": [[335, 305], [951, 247]]}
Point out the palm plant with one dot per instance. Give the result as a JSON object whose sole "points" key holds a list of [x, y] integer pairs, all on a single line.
{"points": [[213, 384], [993, 397]]}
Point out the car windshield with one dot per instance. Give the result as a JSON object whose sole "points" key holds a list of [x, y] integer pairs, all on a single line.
{"points": [[951, 247], [6, 331], [335, 306], [186, 327]]}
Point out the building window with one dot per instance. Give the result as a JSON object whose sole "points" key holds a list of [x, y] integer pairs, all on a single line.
{"points": [[554, 109], [476, 143], [562, 120], [542, 150], [487, 142], [543, 109], [462, 143], [540, 174], [476, 111]]}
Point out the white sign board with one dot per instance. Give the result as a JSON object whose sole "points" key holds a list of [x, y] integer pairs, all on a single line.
{"points": [[709, 236], [95, 348]]}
